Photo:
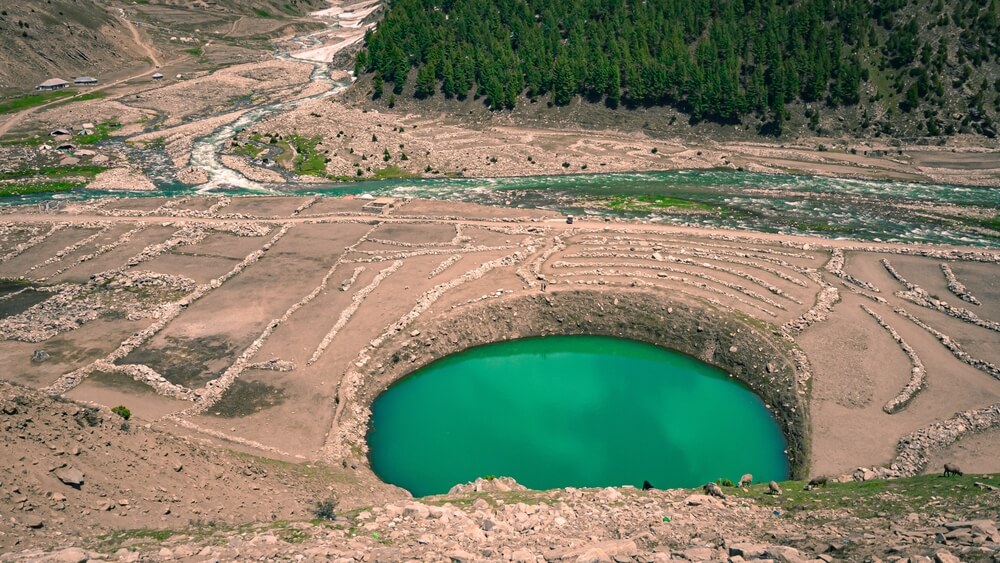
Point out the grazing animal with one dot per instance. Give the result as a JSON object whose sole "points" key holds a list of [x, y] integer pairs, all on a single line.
{"points": [[745, 480], [713, 490], [820, 481], [773, 488], [950, 469], [646, 485]]}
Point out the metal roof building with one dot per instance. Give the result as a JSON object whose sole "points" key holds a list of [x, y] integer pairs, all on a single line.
{"points": [[52, 84]]}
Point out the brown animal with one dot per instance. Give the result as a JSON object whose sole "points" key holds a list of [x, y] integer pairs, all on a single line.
{"points": [[820, 481], [773, 488], [950, 469], [713, 490], [745, 480]]}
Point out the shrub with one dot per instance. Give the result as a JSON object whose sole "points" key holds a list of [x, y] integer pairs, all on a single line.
{"points": [[565, 165], [724, 483], [325, 509], [122, 411]]}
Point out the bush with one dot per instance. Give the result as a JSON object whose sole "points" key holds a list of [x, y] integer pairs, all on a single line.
{"points": [[724, 483], [325, 509], [122, 411]]}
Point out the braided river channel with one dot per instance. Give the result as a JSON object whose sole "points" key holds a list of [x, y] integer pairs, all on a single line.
{"points": [[581, 411]]}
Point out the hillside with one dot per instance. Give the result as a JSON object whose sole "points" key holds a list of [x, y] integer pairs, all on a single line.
{"points": [[62, 38], [143, 493], [919, 68], [108, 39]]}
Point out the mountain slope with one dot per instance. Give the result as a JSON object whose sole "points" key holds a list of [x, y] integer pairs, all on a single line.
{"points": [[900, 68]]}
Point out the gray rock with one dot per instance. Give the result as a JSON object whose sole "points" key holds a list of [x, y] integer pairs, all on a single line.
{"points": [[460, 556], [40, 356], [70, 476], [68, 555], [34, 522], [785, 554], [594, 555], [416, 511], [747, 550], [699, 554]]}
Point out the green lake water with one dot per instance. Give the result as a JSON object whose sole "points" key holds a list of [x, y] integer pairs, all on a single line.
{"points": [[581, 411]]}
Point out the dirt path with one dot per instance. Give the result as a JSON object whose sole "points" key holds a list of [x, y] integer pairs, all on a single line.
{"points": [[137, 37]]}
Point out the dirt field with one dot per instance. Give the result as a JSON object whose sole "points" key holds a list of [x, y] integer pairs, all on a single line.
{"points": [[251, 331]]}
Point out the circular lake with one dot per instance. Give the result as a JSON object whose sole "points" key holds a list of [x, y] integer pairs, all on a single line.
{"points": [[571, 411]]}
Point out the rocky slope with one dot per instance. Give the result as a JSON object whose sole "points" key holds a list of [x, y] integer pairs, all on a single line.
{"points": [[72, 471], [78, 484]]}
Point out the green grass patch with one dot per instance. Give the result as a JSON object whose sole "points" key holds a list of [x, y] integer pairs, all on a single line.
{"points": [[88, 170], [393, 172], [891, 497], [993, 223], [261, 13], [33, 141], [32, 100], [249, 151], [102, 132], [96, 95], [308, 160], [9, 190], [196, 51], [114, 540], [653, 203], [822, 228]]}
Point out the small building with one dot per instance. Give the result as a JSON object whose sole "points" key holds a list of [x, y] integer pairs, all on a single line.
{"points": [[158, 76], [379, 204], [65, 147], [59, 132], [52, 84], [85, 81]]}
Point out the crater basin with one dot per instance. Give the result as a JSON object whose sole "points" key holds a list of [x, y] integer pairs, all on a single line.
{"points": [[580, 411]]}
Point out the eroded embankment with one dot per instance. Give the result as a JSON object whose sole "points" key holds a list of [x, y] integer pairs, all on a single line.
{"points": [[744, 348]]}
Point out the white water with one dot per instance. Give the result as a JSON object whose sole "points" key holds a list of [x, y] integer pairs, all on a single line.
{"points": [[206, 150]]}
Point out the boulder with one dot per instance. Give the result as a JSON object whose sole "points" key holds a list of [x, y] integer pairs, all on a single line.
{"points": [[40, 356], [699, 554], [747, 550], [70, 476], [68, 555], [784, 554], [594, 555], [945, 557], [416, 511]]}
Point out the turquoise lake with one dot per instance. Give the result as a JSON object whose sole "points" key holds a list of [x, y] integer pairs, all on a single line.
{"points": [[580, 411]]}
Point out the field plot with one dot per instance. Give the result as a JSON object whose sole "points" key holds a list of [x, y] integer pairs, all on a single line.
{"points": [[265, 206], [273, 322]]}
